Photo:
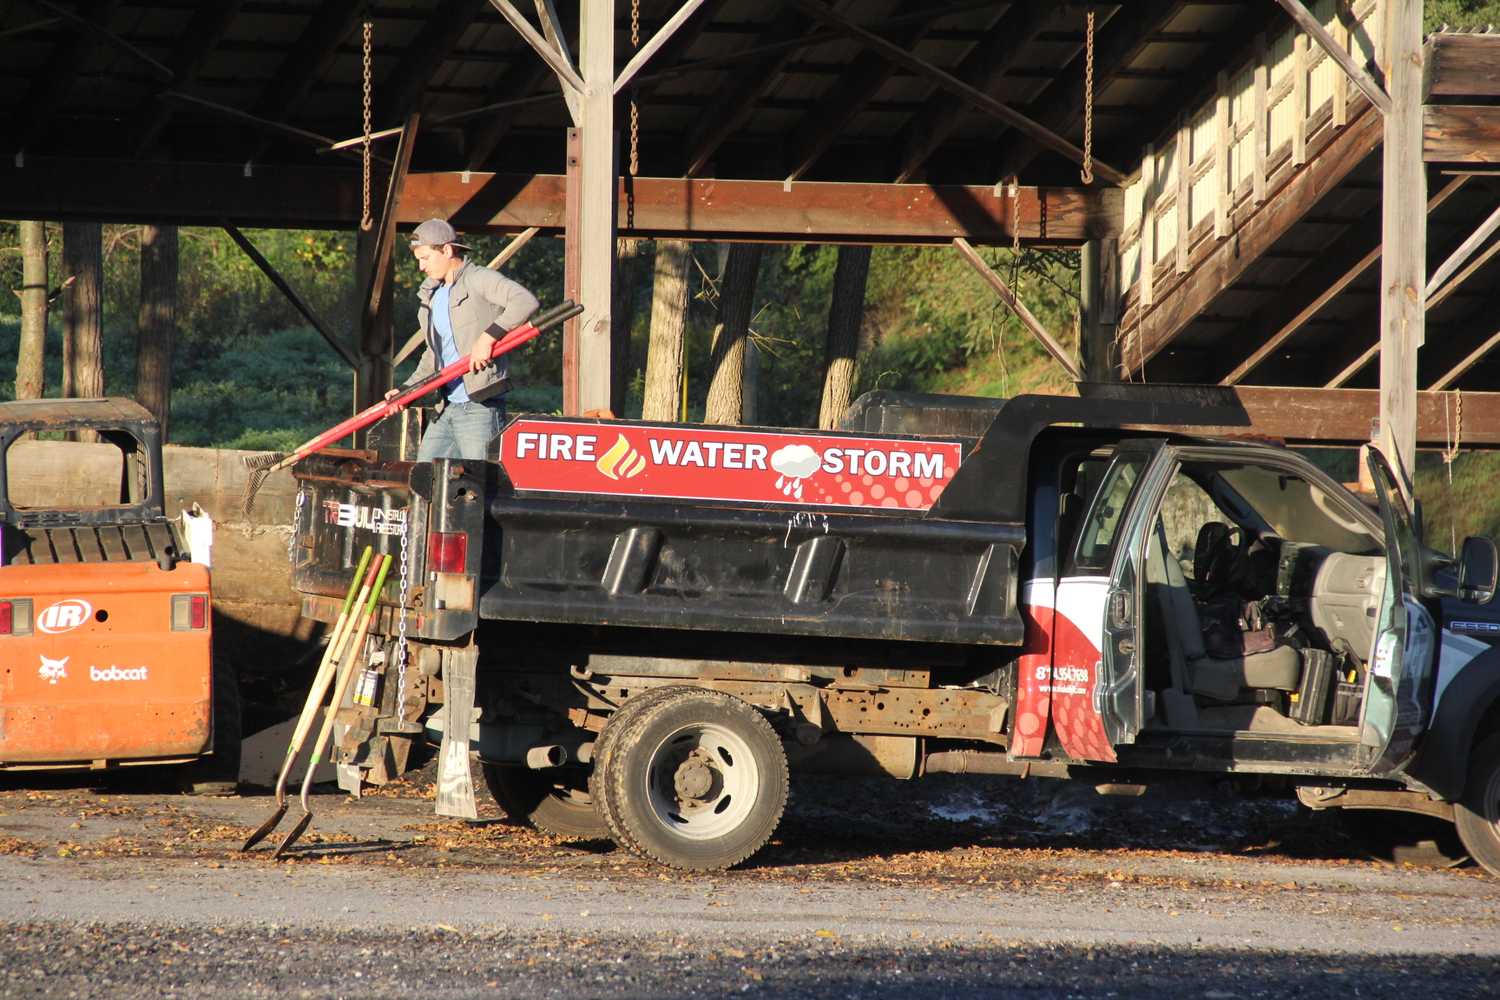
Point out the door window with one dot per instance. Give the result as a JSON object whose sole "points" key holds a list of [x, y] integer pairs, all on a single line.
{"points": [[1100, 528]]}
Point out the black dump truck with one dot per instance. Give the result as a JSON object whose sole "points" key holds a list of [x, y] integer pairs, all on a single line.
{"points": [[642, 627]]}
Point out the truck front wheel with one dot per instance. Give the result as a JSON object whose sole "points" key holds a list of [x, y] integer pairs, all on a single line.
{"points": [[1478, 815], [698, 781], [553, 801]]}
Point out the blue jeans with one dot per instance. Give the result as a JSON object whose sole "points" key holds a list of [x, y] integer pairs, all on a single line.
{"points": [[462, 430]]}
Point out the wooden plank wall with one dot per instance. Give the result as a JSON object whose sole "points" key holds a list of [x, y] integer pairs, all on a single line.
{"points": [[1257, 123]]}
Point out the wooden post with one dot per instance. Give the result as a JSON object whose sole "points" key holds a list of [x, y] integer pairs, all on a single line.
{"points": [[1261, 126], [30, 360], [1340, 80], [598, 200], [572, 256], [1299, 99], [157, 323], [1403, 270], [1223, 140], [373, 376], [1184, 162], [1148, 227], [1099, 295]]}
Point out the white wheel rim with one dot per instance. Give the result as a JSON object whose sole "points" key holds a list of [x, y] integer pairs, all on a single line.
{"points": [[716, 768]]}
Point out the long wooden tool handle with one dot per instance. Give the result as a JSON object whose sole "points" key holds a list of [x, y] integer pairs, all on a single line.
{"points": [[364, 577], [347, 669]]}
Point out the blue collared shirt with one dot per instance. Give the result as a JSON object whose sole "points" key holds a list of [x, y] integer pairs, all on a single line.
{"points": [[447, 349]]}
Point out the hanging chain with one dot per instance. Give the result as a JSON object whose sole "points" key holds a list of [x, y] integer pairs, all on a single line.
{"points": [[1088, 103], [291, 542], [365, 222], [401, 619], [635, 110], [1013, 192]]}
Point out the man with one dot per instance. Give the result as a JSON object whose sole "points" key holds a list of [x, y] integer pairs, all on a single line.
{"points": [[463, 308]]}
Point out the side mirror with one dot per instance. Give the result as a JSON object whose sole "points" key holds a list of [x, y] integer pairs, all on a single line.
{"points": [[1478, 566]]}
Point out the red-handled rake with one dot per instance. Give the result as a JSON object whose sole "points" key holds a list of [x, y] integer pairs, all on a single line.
{"points": [[261, 466]]}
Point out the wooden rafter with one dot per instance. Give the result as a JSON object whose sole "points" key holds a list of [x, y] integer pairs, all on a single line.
{"points": [[488, 131], [48, 90], [565, 71], [1485, 322], [308, 61], [96, 26], [1361, 77], [285, 287], [205, 30], [1465, 250], [400, 93], [552, 31], [984, 67], [820, 126], [1060, 105], [1338, 268], [1013, 301], [735, 100], [1038, 132], [1256, 229], [654, 45]]}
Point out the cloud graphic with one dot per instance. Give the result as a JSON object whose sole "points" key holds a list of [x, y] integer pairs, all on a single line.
{"points": [[796, 460]]}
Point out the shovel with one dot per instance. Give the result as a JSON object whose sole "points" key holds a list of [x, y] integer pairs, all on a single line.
{"points": [[346, 676], [319, 690]]}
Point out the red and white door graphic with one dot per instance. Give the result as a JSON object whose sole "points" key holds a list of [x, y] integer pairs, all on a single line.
{"points": [[1059, 668]]}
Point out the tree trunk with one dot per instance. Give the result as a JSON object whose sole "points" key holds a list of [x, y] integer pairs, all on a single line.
{"points": [[727, 363], [33, 353], [627, 283], [83, 313], [844, 315], [664, 353], [157, 321]]}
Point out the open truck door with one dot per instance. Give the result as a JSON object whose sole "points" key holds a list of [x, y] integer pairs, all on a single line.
{"points": [[1398, 694]]}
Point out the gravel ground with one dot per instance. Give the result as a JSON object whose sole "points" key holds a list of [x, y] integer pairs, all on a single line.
{"points": [[949, 887]]}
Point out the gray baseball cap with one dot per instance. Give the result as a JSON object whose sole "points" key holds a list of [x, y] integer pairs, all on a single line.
{"points": [[436, 233]]}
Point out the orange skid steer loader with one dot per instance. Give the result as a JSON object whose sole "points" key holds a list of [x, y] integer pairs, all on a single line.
{"points": [[105, 625]]}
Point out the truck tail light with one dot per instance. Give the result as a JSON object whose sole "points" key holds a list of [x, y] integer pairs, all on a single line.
{"points": [[189, 612], [447, 552], [15, 616]]}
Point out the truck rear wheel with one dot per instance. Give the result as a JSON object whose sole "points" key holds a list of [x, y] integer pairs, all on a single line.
{"points": [[1478, 815], [697, 781], [618, 723], [554, 801]]}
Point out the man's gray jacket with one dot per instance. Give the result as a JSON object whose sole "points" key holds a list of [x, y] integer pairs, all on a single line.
{"points": [[480, 301]]}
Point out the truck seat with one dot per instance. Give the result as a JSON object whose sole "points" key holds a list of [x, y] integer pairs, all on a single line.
{"points": [[1193, 670]]}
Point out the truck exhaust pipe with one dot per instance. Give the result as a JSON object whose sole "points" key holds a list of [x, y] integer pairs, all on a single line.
{"points": [[546, 755]]}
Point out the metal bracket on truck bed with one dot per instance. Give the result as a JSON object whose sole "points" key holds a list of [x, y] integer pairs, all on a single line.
{"points": [[455, 785]]}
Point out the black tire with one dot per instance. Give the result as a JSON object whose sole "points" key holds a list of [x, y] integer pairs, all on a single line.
{"points": [[1477, 816], [698, 781], [603, 747], [219, 772], [555, 801]]}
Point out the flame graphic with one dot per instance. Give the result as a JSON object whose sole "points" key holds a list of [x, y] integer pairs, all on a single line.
{"points": [[621, 461]]}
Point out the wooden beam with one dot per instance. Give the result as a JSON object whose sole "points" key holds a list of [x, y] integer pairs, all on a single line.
{"points": [[1335, 270], [1254, 235], [1060, 105], [1036, 131], [1223, 140], [1459, 133], [53, 188], [984, 67], [821, 126], [733, 104], [1465, 251], [400, 92], [286, 289], [1299, 100], [205, 30], [552, 31], [380, 270], [96, 27], [1344, 416], [1149, 193], [1260, 126], [486, 134], [649, 50], [1098, 308], [1011, 299], [257, 122], [1463, 66], [1487, 320], [1340, 55], [308, 61], [1182, 163], [48, 90], [1403, 266], [566, 73]]}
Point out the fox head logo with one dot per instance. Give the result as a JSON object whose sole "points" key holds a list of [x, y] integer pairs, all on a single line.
{"points": [[53, 670]]}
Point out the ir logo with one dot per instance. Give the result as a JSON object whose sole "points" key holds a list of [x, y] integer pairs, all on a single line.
{"points": [[64, 616]]}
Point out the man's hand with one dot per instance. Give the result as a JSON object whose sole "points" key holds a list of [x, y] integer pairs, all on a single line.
{"points": [[393, 393], [479, 354]]}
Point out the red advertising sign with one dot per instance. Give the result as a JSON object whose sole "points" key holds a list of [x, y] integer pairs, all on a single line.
{"points": [[703, 463]]}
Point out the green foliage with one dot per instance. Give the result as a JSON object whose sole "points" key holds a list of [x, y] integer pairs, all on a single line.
{"points": [[1460, 15]]}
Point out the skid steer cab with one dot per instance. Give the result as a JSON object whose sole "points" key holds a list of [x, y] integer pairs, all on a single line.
{"points": [[642, 629], [105, 623]]}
